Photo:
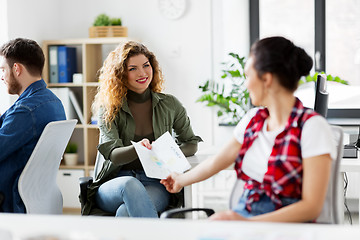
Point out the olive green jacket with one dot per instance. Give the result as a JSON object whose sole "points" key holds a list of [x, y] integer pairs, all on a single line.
{"points": [[168, 115]]}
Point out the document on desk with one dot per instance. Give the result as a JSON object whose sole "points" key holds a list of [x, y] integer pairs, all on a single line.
{"points": [[164, 157]]}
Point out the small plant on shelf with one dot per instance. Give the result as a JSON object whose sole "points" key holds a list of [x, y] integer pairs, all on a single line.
{"points": [[104, 26], [70, 155], [71, 148], [105, 20]]}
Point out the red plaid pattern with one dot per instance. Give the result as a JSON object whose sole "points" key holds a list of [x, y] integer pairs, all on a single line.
{"points": [[284, 175]]}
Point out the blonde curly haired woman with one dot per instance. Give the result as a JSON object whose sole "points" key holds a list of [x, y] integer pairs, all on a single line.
{"points": [[131, 107]]}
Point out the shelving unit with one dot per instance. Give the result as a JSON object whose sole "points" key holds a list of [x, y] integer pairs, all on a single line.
{"points": [[90, 56], [91, 53]]}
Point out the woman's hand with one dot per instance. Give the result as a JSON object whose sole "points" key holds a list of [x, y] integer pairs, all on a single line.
{"points": [[172, 183], [227, 215], [146, 143]]}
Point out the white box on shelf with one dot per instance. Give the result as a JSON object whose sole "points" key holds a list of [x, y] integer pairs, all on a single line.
{"points": [[68, 182], [77, 78]]}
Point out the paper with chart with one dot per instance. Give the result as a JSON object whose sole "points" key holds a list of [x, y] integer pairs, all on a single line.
{"points": [[164, 157]]}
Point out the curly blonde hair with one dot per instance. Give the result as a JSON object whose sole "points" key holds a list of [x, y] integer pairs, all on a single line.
{"points": [[113, 78]]}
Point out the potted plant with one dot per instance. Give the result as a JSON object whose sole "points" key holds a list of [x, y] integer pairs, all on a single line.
{"points": [[104, 26], [313, 78], [70, 155], [229, 94]]}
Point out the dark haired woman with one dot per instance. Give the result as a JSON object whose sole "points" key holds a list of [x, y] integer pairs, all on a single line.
{"points": [[278, 147], [132, 108]]}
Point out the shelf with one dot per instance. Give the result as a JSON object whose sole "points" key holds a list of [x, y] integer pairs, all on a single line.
{"points": [[64, 85], [78, 41], [92, 126], [92, 84], [89, 54]]}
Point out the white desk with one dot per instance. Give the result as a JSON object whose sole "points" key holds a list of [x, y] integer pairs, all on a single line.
{"points": [[62, 227], [350, 164]]}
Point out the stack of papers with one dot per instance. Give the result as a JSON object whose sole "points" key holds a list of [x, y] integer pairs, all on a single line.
{"points": [[164, 157]]}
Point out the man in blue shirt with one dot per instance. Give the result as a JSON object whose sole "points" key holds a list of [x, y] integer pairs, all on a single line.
{"points": [[21, 65]]}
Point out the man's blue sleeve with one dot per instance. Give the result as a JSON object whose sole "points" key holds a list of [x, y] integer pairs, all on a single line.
{"points": [[16, 130]]}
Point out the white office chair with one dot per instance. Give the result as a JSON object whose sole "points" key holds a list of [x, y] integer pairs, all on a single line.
{"points": [[332, 207], [99, 162], [37, 183]]}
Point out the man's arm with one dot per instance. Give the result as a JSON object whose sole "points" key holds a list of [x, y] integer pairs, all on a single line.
{"points": [[16, 130]]}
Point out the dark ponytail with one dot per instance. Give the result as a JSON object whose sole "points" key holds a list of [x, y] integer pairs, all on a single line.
{"points": [[281, 57]]}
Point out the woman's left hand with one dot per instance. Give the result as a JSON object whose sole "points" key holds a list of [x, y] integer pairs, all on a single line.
{"points": [[228, 215]]}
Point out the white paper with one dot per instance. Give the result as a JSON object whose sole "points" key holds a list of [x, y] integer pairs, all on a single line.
{"points": [[164, 157]]}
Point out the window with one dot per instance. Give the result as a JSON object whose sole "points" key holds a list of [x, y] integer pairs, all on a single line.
{"points": [[343, 39], [292, 19], [326, 27]]}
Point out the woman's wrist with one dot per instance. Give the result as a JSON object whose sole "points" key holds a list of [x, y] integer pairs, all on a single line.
{"points": [[181, 180]]}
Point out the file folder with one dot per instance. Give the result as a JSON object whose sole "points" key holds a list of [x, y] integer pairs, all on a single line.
{"points": [[53, 63], [67, 63]]}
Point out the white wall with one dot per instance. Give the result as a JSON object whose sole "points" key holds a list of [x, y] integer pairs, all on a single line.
{"points": [[189, 49], [35, 19], [4, 97], [3, 21]]}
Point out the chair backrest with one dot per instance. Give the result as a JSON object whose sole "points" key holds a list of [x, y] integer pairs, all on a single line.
{"points": [[37, 183], [236, 192], [332, 207], [99, 162]]}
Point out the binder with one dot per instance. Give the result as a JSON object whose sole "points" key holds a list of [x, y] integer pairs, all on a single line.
{"points": [[53, 63], [67, 63], [76, 105]]}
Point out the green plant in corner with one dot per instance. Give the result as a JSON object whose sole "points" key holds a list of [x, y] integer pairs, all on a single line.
{"points": [[313, 78], [71, 148], [229, 94]]}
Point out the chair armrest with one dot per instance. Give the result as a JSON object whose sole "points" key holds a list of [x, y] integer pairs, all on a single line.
{"points": [[84, 180], [170, 213], [84, 183]]}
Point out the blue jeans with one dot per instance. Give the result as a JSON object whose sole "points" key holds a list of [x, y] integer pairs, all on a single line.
{"points": [[132, 194], [264, 205]]}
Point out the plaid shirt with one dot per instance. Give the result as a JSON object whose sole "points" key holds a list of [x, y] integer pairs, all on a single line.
{"points": [[284, 175]]}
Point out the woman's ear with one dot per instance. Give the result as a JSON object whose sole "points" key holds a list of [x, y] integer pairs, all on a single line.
{"points": [[268, 79]]}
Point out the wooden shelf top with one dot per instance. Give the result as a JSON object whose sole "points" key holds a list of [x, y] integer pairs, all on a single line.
{"points": [[87, 84], [75, 41], [64, 85]]}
